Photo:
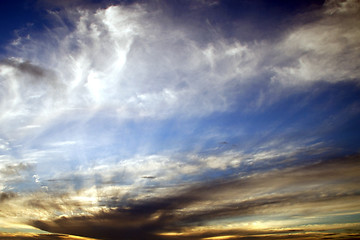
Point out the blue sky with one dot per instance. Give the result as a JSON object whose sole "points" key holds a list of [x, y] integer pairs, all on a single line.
{"points": [[179, 119]]}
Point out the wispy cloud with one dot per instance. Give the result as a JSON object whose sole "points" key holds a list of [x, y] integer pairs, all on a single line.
{"points": [[329, 44], [151, 121], [128, 59]]}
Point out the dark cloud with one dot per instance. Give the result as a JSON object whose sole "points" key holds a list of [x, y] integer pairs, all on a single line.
{"points": [[236, 235], [25, 67], [45, 205], [149, 177], [4, 196], [36, 73], [11, 236], [145, 219]]}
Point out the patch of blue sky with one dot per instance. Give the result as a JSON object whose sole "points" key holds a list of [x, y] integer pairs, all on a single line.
{"points": [[300, 120], [23, 230], [305, 114]]}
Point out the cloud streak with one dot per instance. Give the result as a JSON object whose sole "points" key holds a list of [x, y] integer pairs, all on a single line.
{"points": [[292, 194]]}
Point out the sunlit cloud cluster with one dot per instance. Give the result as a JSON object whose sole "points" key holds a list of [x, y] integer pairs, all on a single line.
{"points": [[284, 199]]}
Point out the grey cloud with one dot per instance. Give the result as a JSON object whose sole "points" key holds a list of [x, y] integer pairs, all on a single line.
{"points": [[141, 222], [48, 205], [149, 177], [5, 196], [15, 169], [25, 67], [36, 74], [19, 236], [289, 192]]}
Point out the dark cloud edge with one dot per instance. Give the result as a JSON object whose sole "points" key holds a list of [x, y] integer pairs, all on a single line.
{"points": [[148, 218], [45, 236]]}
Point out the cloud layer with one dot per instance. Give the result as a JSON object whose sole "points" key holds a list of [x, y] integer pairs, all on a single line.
{"points": [[198, 120], [292, 199]]}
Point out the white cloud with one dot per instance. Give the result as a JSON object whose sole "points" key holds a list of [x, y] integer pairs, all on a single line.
{"points": [[325, 50], [126, 58], [129, 60]]}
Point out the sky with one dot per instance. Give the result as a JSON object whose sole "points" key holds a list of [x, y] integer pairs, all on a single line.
{"points": [[176, 120]]}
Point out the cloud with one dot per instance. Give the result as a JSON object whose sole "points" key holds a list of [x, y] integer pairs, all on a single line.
{"points": [[29, 236], [80, 103], [322, 50], [101, 188], [287, 193], [24, 67], [6, 196], [14, 173], [134, 60], [15, 169]]}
